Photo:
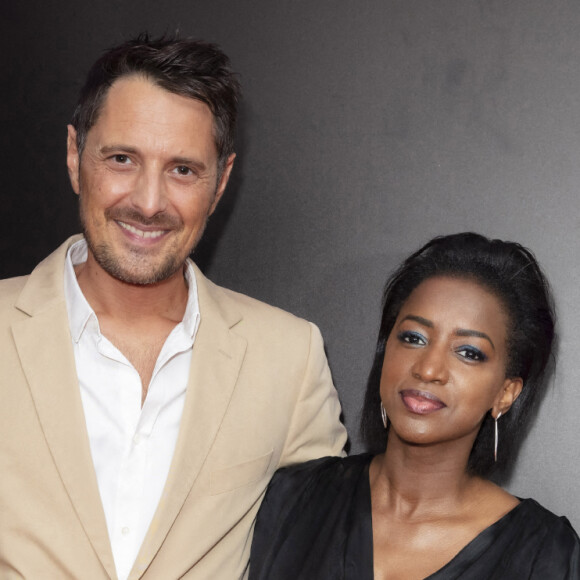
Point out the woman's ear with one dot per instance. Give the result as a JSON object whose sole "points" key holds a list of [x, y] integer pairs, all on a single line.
{"points": [[505, 399]]}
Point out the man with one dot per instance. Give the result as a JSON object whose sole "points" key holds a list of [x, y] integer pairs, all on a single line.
{"points": [[144, 409]]}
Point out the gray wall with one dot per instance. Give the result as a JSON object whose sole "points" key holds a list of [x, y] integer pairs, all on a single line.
{"points": [[367, 128]]}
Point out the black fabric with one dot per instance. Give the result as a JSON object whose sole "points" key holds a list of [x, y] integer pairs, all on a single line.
{"points": [[315, 524]]}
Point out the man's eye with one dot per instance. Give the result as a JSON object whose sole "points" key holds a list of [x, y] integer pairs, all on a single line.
{"points": [[121, 159], [183, 170]]}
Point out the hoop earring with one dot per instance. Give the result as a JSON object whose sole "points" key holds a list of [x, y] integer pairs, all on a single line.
{"points": [[384, 416], [495, 443]]}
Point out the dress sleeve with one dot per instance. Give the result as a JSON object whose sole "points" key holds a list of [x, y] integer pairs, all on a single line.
{"points": [[558, 558], [280, 512], [315, 523], [315, 430]]}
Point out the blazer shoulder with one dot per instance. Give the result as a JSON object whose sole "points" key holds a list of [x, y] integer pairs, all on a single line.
{"points": [[253, 306], [10, 286], [269, 325], [237, 308], [10, 289], [43, 287]]}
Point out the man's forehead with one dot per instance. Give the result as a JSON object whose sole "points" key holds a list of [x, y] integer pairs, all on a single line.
{"points": [[135, 98], [135, 83]]}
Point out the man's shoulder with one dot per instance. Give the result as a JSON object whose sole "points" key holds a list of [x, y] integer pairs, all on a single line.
{"points": [[12, 285], [10, 289], [252, 305], [251, 309], [39, 288]]}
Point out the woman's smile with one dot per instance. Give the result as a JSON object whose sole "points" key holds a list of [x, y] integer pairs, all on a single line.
{"points": [[421, 402]]}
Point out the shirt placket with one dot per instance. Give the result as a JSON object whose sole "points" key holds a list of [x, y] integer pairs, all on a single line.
{"points": [[133, 464]]}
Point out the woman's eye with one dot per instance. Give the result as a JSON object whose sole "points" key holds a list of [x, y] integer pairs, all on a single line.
{"points": [[413, 338], [471, 353]]}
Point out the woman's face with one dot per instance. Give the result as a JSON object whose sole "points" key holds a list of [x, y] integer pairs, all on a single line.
{"points": [[445, 362]]}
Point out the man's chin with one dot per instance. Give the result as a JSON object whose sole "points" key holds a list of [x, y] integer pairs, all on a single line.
{"points": [[144, 277], [137, 274]]}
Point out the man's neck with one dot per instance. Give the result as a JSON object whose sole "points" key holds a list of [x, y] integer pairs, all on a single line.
{"points": [[111, 297]]}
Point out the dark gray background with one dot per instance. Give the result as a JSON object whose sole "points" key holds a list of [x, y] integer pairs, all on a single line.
{"points": [[367, 128]]}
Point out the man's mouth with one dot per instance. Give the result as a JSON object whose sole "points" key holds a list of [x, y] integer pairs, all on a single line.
{"points": [[141, 233]]}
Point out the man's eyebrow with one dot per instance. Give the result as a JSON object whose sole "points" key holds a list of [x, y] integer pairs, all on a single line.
{"points": [[477, 333], [189, 162], [117, 148]]}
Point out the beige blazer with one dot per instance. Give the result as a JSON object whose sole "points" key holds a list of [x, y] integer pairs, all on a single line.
{"points": [[260, 396]]}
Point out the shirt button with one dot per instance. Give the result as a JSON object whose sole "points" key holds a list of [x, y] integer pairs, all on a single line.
{"points": [[125, 530], [137, 439]]}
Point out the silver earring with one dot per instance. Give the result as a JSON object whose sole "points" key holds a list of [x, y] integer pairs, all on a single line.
{"points": [[496, 437], [384, 415]]}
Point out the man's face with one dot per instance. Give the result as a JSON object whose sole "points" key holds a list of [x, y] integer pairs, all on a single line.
{"points": [[147, 180]]}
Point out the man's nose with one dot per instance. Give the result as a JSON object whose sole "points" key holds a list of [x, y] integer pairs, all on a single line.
{"points": [[150, 195]]}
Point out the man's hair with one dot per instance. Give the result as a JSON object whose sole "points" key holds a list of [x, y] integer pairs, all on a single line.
{"points": [[190, 68], [511, 273]]}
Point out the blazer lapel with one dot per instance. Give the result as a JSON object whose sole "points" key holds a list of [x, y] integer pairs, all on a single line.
{"points": [[44, 346], [217, 357]]}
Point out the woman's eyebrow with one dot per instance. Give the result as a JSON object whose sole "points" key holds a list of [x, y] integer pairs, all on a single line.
{"points": [[419, 319], [477, 333]]}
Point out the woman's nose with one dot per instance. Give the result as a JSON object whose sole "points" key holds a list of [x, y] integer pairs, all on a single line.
{"points": [[431, 365]]}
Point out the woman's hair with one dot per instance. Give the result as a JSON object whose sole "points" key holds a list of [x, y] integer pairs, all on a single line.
{"points": [[513, 275]]}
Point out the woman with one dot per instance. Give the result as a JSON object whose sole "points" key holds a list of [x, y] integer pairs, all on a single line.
{"points": [[464, 342]]}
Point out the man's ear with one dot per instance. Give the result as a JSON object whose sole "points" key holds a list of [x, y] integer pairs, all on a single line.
{"points": [[221, 187], [506, 397], [73, 158]]}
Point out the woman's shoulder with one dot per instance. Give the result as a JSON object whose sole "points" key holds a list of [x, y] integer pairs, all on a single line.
{"points": [[327, 483], [557, 541], [322, 469], [537, 513], [311, 517]]}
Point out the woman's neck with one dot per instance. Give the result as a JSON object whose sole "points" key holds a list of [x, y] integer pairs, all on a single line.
{"points": [[423, 481]]}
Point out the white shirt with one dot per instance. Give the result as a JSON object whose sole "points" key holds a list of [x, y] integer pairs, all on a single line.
{"points": [[132, 446]]}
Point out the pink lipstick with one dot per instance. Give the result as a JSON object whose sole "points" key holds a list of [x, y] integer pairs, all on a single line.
{"points": [[421, 402]]}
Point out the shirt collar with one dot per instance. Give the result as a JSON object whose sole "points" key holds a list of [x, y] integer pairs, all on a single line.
{"points": [[80, 311], [191, 315]]}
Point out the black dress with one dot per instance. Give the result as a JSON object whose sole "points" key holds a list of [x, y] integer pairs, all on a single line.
{"points": [[315, 524]]}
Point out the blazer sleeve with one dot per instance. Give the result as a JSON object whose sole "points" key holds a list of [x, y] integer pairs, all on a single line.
{"points": [[315, 428]]}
